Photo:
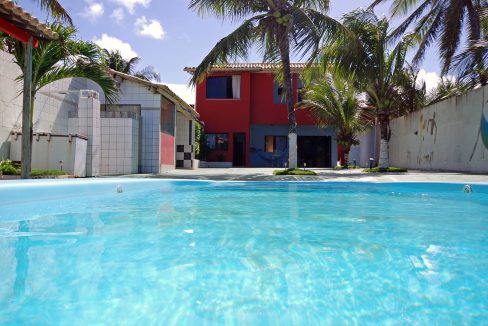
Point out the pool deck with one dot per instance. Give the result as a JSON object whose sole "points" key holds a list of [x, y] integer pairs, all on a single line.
{"points": [[266, 174]]}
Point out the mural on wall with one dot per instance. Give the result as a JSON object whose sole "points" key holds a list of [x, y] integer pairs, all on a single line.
{"points": [[482, 133], [428, 138]]}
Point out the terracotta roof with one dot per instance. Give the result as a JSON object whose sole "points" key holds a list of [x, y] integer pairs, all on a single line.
{"points": [[23, 20], [253, 67], [160, 88]]}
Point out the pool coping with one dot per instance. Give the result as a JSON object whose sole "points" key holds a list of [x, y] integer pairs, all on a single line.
{"points": [[62, 182]]}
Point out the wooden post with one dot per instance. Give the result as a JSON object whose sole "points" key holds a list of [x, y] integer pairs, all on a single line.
{"points": [[26, 156]]}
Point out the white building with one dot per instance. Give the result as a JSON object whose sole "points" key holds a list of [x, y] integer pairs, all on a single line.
{"points": [[151, 129]]}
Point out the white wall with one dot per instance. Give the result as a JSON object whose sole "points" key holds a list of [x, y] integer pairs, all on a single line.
{"points": [[365, 150], [133, 93], [10, 102], [120, 146], [444, 136], [183, 140], [46, 154]]}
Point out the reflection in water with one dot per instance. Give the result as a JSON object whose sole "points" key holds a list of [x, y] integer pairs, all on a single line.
{"points": [[21, 255]]}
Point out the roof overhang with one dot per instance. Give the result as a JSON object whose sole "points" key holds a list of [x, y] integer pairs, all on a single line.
{"points": [[250, 67], [160, 89], [22, 25]]}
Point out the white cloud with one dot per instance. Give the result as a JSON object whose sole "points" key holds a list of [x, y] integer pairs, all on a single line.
{"points": [[431, 79], [151, 28], [93, 10], [112, 44], [118, 14], [187, 93], [131, 4]]}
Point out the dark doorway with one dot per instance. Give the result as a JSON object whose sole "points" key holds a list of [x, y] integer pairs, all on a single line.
{"points": [[315, 151], [239, 149]]}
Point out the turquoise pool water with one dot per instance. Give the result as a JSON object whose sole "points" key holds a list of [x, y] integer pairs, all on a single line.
{"points": [[205, 253]]}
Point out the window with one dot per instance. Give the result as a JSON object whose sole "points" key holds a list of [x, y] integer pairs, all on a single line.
{"points": [[275, 143], [167, 117], [279, 94], [226, 87], [218, 141]]}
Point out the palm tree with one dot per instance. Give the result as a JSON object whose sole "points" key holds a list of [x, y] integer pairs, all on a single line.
{"points": [[56, 10], [277, 27], [335, 101], [115, 61], [377, 70], [451, 22], [64, 58], [448, 87]]}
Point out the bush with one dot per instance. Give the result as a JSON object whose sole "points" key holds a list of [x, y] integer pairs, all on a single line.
{"points": [[7, 167], [391, 169], [294, 172], [200, 142], [43, 172]]}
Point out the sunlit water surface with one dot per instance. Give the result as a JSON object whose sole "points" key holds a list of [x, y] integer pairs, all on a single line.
{"points": [[205, 253]]}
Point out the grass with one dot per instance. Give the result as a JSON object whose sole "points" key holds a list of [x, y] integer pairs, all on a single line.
{"points": [[294, 172], [391, 169], [43, 172]]}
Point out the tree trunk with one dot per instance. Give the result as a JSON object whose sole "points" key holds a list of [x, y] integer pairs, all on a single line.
{"points": [[284, 44], [384, 160], [26, 155], [345, 153]]}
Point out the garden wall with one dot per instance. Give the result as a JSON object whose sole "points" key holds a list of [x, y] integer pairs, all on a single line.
{"points": [[451, 135]]}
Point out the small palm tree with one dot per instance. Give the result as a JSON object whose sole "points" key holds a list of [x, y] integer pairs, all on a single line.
{"points": [[115, 61], [64, 58], [278, 27], [448, 22], [377, 69], [335, 101]]}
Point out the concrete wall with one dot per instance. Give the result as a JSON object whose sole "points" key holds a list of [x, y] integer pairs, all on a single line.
{"points": [[444, 136], [119, 146], [185, 141], [133, 93], [366, 149], [258, 132], [47, 152], [10, 102], [54, 106]]}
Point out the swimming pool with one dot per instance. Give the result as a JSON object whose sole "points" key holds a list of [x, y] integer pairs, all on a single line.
{"points": [[184, 252]]}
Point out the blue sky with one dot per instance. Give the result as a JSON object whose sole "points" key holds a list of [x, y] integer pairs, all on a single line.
{"points": [[164, 33]]}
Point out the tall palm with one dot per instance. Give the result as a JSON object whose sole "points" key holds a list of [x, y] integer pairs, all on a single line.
{"points": [[377, 69], [64, 58], [115, 61], [450, 22], [278, 27], [335, 101]]}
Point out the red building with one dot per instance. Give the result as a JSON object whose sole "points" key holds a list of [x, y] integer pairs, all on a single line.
{"points": [[246, 119]]}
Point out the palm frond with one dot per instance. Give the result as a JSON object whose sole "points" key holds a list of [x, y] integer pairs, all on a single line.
{"points": [[235, 45]]}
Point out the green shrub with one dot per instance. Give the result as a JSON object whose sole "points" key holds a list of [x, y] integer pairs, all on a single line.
{"points": [[7, 167], [294, 172], [390, 169], [44, 172]]}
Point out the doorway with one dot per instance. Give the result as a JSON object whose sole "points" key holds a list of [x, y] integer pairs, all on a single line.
{"points": [[239, 158], [315, 151]]}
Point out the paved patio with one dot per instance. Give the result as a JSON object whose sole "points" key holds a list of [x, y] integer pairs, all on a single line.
{"points": [[266, 174]]}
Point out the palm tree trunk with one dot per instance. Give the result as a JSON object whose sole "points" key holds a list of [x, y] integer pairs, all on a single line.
{"points": [[284, 44], [26, 154], [384, 160]]}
